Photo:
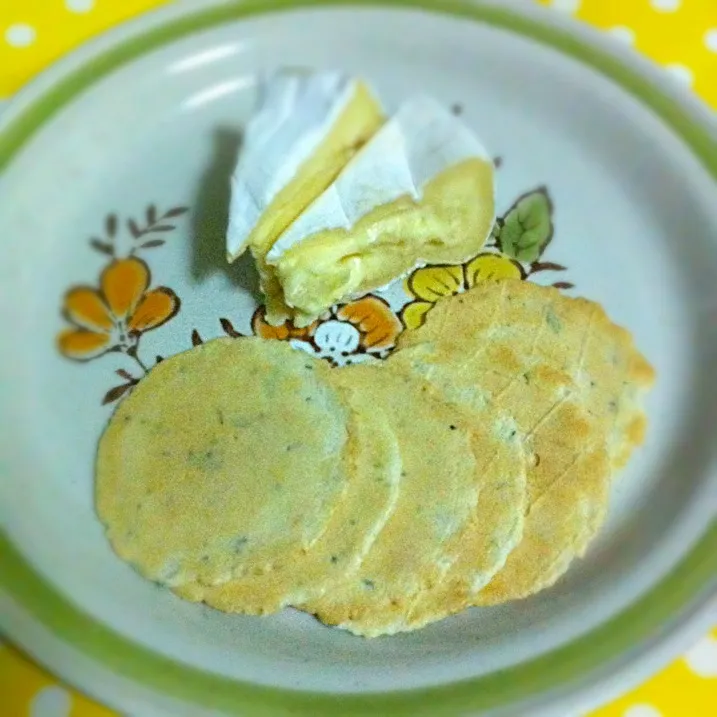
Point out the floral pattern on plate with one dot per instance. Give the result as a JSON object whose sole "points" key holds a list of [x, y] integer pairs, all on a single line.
{"points": [[116, 314]]}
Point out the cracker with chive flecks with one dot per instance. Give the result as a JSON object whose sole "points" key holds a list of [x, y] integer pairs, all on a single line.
{"points": [[372, 465], [449, 466], [573, 383], [223, 459]]}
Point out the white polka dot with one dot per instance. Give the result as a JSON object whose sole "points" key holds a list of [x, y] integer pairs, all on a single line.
{"points": [[79, 5], [666, 5], [624, 34], [51, 702], [681, 73], [711, 39], [20, 35], [642, 711], [566, 5], [702, 658]]}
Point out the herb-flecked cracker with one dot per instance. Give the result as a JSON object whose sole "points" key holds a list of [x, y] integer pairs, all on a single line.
{"points": [[445, 465], [573, 383], [494, 529], [221, 460], [372, 464]]}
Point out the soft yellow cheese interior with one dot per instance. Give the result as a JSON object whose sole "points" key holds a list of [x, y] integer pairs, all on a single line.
{"points": [[448, 224], [358, 122]]}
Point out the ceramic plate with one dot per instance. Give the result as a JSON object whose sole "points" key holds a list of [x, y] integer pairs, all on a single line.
{"points": [[114, 174]]}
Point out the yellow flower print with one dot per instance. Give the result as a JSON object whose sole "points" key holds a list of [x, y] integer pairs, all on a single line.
{"points": [[414, 314], [432, 283], [492, 267], [113, 317]]}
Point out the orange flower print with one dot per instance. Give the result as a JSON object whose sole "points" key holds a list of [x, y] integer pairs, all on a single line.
{"points": [[261, 327], [356, 332], [361, 330], [377, 326], [114, 316]]}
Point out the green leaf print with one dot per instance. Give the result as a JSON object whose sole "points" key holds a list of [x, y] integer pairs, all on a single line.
{"points": [[527, 227]]}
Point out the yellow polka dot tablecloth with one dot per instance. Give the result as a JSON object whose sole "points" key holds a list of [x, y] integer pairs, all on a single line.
{"points": [[680, 35]]}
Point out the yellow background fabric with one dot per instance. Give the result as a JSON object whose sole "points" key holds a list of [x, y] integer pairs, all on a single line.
{"points": [[680, 35]]}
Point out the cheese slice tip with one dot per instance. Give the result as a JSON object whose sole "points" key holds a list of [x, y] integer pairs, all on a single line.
{"points": [[421, 191]]}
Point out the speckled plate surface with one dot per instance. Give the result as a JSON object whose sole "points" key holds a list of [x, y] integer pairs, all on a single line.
{"points": [[113, 200]]}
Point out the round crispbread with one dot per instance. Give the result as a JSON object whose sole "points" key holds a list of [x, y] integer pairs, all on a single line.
{"points": [[372, 464], [437, 538], [222, 459], [569, 378], [493, 531]]}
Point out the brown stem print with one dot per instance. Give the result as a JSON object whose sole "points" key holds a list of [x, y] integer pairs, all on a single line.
{"points": [[106, 244], [537, 266], [154, 224], [229, 329], [131, 351], [117, 392]]}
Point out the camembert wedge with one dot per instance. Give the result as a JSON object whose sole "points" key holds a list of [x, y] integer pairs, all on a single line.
{"points": [[307, 126], [421, 191]]}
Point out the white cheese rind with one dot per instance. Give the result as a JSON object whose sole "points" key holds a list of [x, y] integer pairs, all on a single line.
{"points": [[295, 112], [420, 141]]}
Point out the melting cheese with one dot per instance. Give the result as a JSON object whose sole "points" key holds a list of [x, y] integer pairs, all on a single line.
{"points": [[306, 127], [421, 191]]}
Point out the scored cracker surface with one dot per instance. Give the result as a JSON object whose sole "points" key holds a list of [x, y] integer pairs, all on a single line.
{"points": [[572, 381], [493, 530], [221, 460], [373, 467], [438, 490]]}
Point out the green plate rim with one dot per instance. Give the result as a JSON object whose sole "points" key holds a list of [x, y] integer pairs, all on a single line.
{"points": [[674, 596]]}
